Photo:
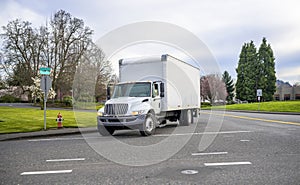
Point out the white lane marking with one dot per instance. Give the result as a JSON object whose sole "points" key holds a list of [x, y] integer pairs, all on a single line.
{"points": [[244, 140], [189, 172], [211, 153], [227, 163], [203, 133], [46, 172], [63, 160]]}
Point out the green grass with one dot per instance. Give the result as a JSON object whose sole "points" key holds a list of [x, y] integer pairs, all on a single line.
{"points": [[275, 106], [14, 120]]}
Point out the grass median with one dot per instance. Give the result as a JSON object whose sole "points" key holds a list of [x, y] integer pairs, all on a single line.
{"points": [[14, 120], [274, 106]]}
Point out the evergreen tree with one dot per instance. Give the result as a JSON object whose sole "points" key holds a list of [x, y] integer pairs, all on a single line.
{"points": [[251, 72], [229, 85], [256, 70], [246, 73], [267, 62], [240, 93]]}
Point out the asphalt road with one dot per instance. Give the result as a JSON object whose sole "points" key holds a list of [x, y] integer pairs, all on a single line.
{"points": [[248, 149]]}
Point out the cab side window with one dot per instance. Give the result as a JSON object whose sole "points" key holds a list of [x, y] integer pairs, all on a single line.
{"points": [[155, 90]]}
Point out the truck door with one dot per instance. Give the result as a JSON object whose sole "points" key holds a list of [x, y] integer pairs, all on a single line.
{"points": [[156, 99]]}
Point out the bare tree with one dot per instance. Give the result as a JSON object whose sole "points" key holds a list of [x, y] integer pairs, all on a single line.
{"points": [[213, 88], [93, 74], [69, 40], [64, 44], [22, 48], [204, 88]]}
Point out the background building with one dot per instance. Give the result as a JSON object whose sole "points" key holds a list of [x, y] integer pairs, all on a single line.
{"points": [[285, 91]]}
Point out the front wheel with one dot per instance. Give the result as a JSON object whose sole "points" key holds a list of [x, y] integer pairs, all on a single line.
{"points": [[149, 125]]}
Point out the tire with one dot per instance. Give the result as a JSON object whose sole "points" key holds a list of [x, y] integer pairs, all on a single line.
{"points": [[186, 117], [105, 131], [149, 125], [196, 115], [191, 116]]}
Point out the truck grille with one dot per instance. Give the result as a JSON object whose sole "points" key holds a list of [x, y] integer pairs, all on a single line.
{"points": [[116, 109]]}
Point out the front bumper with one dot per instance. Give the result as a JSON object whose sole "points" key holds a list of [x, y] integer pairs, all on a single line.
{"points": [[122, 122]]}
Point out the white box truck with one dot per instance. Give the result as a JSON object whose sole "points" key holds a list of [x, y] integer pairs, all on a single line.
{"points": [[151, 91]]}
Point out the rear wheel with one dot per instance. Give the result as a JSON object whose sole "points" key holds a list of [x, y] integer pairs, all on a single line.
{"points": [[186, 117], [196, 114], [105, 131], [149, 125]]}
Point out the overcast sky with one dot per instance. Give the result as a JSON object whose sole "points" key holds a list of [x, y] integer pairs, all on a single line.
{"points": [[223, 25]]}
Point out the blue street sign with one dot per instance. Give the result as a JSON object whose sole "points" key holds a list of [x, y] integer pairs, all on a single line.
{"points": [[45, 70]]}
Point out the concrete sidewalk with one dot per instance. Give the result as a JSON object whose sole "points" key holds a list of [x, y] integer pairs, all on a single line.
{"points": [[49, 132]]}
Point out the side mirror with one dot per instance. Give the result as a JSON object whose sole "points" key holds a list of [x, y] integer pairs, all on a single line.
{"points": [[162, 90], [108, 92]]}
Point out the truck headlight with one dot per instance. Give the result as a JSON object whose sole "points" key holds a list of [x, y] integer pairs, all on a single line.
{"points": [[134, 113], [100, 113]]}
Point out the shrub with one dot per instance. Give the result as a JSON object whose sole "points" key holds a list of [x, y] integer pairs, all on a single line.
{"points": [[205, 104], [230, 102], [67, 100], [9, 99]]}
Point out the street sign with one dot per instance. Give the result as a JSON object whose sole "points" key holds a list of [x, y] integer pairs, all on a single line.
{"points": [[45, 70], [259, 92], [46, 83]]}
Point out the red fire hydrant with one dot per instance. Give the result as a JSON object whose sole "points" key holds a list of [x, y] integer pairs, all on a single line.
{"points": [[59, 120]]}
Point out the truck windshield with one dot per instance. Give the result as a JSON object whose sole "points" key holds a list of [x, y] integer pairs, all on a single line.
{"points": [[140, 89]]}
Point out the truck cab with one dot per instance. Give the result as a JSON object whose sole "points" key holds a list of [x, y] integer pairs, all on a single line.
{"points": [[134, 103]]}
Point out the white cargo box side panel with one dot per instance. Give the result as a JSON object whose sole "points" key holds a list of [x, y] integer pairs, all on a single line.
{"points": [[183, 85], [141, 70]]}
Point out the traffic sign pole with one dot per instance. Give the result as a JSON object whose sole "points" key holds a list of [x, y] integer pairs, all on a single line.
{"points": [[45, 105], [45, 109], [258, 94], [46, 84]]}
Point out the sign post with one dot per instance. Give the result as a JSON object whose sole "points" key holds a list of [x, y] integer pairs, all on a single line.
{"points": [[46, 84], [258, 94]]}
